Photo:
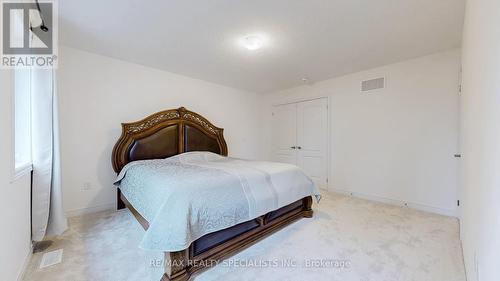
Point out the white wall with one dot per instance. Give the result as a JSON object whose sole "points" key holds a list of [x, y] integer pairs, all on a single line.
{"points": [[98, 93], [395, 144], [15, 204], [480, 140]]}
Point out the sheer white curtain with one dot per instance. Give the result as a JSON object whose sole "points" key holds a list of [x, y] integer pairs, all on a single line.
{"points": [[47, 212]]}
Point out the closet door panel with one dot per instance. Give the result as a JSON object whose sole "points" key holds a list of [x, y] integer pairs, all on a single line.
{"points": [[312, 135], [284, 136]]}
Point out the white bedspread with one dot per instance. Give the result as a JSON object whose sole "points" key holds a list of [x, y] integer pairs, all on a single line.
{"points": [[192, 194]]}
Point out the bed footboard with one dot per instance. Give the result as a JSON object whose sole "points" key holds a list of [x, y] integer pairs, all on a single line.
{"points": [[182, 265]]}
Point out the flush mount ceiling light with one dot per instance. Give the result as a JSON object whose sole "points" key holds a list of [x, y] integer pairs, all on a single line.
{"points": [[252, 42]]}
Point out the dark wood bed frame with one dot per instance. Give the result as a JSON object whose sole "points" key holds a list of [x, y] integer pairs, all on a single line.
{"points": [[175, 131]]}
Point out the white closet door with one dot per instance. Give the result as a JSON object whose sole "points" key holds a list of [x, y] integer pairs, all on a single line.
{"points": [[312, 135], [285, 133]]}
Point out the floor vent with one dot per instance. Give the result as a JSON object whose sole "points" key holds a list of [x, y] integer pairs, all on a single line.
{"points": [[51, 258]]}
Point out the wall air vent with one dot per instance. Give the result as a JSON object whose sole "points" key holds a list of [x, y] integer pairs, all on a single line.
{"points": [[372, 84]]}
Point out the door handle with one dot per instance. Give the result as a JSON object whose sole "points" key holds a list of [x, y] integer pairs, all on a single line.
{"points": [[293, 147]]}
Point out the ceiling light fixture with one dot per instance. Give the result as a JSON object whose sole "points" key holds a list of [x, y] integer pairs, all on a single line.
{"points": [[252, 42]]}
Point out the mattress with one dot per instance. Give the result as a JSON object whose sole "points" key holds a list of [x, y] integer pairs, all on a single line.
{"points": [[189, 195]]}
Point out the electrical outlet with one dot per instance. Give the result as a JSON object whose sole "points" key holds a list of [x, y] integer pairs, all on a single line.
{"points": [[87, 186]]}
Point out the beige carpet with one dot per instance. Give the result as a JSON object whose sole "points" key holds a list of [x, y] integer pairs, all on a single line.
{"points": [[347, 240]]}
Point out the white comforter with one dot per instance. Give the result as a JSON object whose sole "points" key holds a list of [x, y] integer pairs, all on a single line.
{"points": [[192, 194]]}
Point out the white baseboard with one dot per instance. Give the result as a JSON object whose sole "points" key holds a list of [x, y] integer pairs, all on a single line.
{"points": [[26, 263], [396, 202], [90, 210]]}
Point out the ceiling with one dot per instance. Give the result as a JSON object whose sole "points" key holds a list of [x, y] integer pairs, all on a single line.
{"points": [[317, 39]]}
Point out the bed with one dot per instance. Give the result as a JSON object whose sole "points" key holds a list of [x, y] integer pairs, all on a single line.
{"points": [[197, 205]]}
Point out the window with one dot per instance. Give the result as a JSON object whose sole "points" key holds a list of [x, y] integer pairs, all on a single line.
{"points": [[22, 119]]}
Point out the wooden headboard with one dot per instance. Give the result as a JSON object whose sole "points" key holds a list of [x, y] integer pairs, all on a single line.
{"points": [[165, 134]]}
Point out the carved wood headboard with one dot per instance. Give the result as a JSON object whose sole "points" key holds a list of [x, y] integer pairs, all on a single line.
{"points": [[165, 134]]}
